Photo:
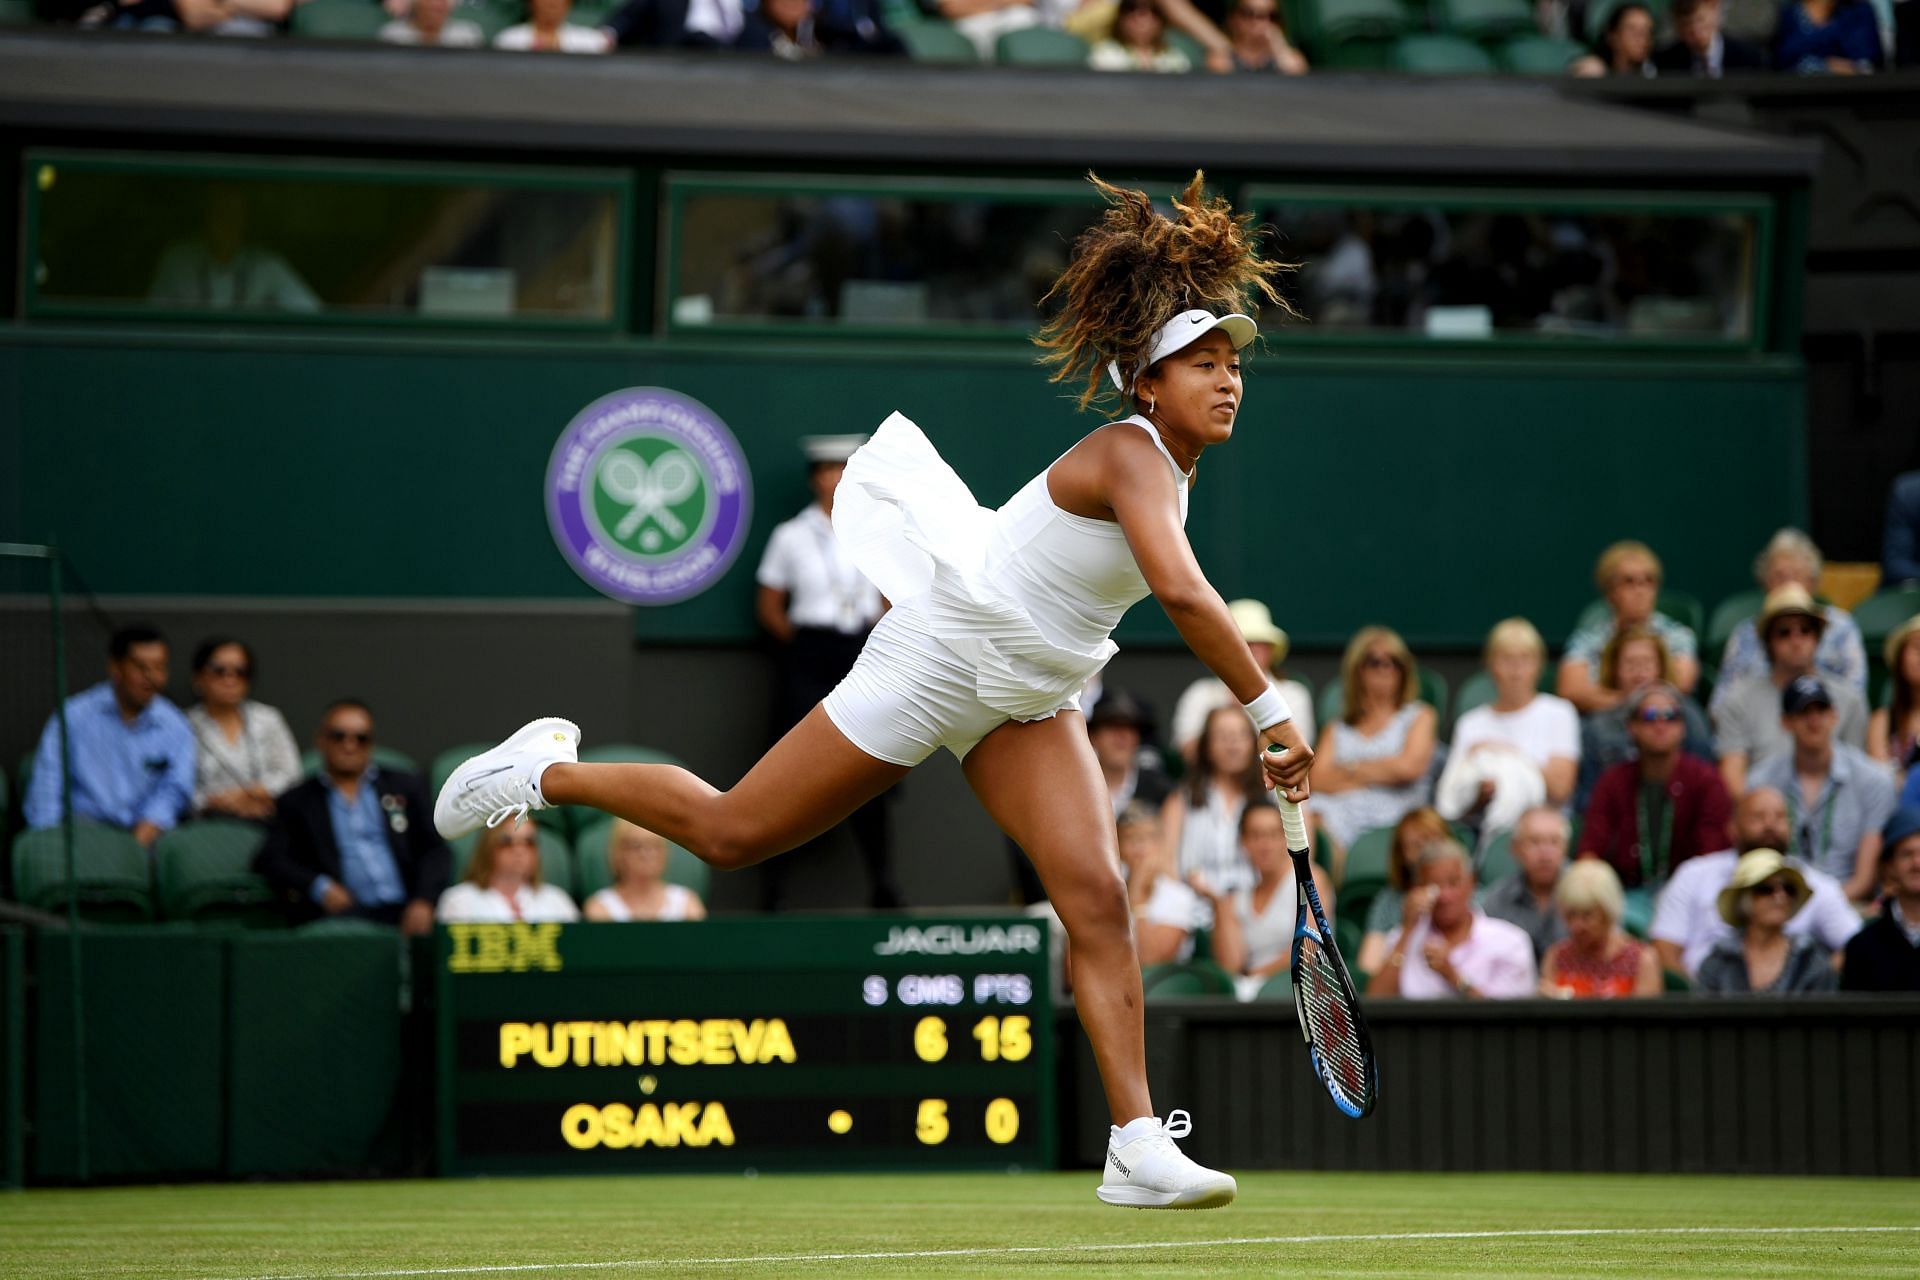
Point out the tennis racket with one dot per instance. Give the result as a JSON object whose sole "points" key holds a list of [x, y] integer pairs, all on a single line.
{"points": [[1337, 1041]]}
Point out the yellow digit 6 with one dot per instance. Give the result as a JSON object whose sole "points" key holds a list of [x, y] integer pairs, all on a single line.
{"points": [[930, 1039], [931, 1125]]}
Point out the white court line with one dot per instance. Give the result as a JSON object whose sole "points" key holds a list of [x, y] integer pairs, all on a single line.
{"points": [[1003, 1251]]}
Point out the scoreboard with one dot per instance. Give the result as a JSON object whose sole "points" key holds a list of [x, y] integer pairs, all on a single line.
{"points": [[828, 1042]]}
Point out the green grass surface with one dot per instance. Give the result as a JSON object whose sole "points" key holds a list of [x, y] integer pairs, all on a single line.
{"points": [[977, 1225]]}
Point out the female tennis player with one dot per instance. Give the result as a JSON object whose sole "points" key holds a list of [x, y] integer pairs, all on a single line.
{"points": [[999, 619]]}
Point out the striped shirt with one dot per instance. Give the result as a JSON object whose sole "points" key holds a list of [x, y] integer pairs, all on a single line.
{"points": [[123, 774]]}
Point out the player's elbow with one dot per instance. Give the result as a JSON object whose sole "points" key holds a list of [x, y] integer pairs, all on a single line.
{"points": [[1184, 600]]}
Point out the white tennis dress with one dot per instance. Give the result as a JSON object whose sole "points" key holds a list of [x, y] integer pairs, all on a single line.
{"points": [[997, 615]]}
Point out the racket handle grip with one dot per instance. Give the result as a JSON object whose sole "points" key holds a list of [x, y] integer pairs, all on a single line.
{"points": [[1291, 819]]}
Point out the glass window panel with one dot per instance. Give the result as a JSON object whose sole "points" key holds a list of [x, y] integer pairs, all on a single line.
{"points": [[331, 246], [900, 261], [1449, 270]]}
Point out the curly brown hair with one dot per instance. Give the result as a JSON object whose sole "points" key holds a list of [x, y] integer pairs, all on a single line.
{"points": [[1135, 270]]}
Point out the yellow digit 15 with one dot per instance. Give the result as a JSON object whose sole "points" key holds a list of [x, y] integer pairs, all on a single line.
{"points": [[931, 1124], [930, 1039], [1010, 1038]]}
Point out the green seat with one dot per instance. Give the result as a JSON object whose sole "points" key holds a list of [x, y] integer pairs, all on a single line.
{"points": [[1535, 55], [493, 17], [1484, 19], [385, 757], [936, 41], [1477, 690], [1881, 612], [1674, 983], [1179, 981], [447, 761], [900, 13], [1496, 861], [1277, 987], [1195, 51], [556, 858], [1330, 25], [1348, 933], [112, 876], [1369, 858], [338, 20], [1727, 616], [1040, 47], [1332, 703], [1598, 12], [1439, 55], [204, 871], [594, 872]]}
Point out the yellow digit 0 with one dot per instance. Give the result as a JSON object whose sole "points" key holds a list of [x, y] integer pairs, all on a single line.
{"points": [[1003, 1121], [930, 1039], [931, 1125]]}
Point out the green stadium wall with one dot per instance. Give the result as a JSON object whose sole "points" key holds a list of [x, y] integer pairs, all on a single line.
{"points": [[1436, 492]]}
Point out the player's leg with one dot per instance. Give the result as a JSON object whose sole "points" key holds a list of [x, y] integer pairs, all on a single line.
{"points": [[1041, 783]]}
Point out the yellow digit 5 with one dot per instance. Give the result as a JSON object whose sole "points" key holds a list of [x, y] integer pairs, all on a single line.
{"points": [[1016, 1037], [931, 1125]]}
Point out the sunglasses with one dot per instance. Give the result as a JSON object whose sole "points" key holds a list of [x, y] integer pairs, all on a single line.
{"points": [[1375, 661], [1657, 715], [223, 669], [1635, 580], [528, 839], [1793, 629], [349, 735], [1773, 888]]}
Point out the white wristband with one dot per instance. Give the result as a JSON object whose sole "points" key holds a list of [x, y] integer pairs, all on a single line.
{"points": [[1269, 709]]}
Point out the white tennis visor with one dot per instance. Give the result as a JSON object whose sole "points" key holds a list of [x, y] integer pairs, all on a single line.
{"points": [[1184, 330]]}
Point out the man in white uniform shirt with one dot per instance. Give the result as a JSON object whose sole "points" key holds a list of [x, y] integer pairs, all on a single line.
{"points": [[818, 607]]}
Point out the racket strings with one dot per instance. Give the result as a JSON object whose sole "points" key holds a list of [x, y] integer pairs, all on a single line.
{"points": [[1332, 1022]]}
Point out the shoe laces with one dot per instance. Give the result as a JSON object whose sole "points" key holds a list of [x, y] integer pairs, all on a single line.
{"points": [[506, 812], [1178, 1124]]}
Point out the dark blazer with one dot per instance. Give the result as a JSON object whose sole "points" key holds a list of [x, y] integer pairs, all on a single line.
{"points": [[1735, 55], [300, 842]]}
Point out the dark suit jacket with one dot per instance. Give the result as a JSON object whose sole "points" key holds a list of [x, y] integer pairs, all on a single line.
{"points": [[300, 842], [1735, 55]]}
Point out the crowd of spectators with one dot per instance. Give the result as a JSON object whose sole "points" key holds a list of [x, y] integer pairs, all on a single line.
{"points": [[1628, 37]]}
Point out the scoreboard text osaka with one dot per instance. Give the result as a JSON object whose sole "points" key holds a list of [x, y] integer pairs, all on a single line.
{"points": [[819, 1042]]}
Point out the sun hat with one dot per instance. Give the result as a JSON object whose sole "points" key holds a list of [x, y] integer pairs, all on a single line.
{"points": [[1790, 601], [1897, 640], [825, 449], [1256, 626], [1184, 330], [1756, 868]]}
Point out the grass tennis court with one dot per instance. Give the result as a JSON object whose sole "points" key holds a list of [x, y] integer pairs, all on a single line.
{"points": [[975, 1225]]}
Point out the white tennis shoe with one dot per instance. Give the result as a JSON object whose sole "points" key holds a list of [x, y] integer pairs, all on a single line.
{"points": [[504, 783], [1145, 1170]]}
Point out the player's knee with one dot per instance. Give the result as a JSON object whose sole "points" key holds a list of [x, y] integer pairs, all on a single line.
{"points": [[729, 844], [1096, 908]]}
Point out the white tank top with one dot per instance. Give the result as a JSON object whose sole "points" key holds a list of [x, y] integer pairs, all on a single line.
{"points": [[1073, 574]]}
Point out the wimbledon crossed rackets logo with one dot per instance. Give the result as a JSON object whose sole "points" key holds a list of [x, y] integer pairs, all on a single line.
{"points": [[648, 496]]}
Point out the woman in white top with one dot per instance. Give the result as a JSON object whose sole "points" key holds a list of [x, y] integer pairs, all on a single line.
{"points": [[1373, 761], [1253, 927], [1138, 42], [548, 30], [245, 754], [503, 884], [1202, 816], [999, 619], [1539, 728], [638, 860]]}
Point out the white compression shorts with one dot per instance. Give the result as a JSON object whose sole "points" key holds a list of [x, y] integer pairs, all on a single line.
{"points": [[909, 695]]}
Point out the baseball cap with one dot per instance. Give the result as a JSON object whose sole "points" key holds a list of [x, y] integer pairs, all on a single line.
{"points": [[1117, 706], [1184, 330], [1904, 822], [1803, 692]]}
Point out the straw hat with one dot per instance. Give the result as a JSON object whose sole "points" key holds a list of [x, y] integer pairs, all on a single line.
{"points": [[1789, 601], [1256, 626], [1756, 868], [1897, 640]]}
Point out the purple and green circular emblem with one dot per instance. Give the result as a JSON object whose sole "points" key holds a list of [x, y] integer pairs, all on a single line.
{"points": [[648, 495]]}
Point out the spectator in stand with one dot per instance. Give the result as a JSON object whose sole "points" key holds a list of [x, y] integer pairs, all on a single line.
{"points": [[1763, 958], [132, 756], [1117, 729], [356, 841], [1253, 928], [547, 30], [429, 22], [1269, 646], [1632, 660], [1259, 41], [1521, 750], [1370, 768], [1411, 835], [1596, 960], [1747, 710], [202, 17], [1654, 812], [1701, 48], [1628, 575], [1900, 541], [1833, 37], [1137, 42], [795, 30], [223, 269], [1885, 956], [1686, 920], [1202, 817], [1625, 46], [1838, 799], [503, 884], [1525, 897], [637, 858], [245, 752], [1792, 560], [1893, 731], [1446, 947], [1166, 911]]}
